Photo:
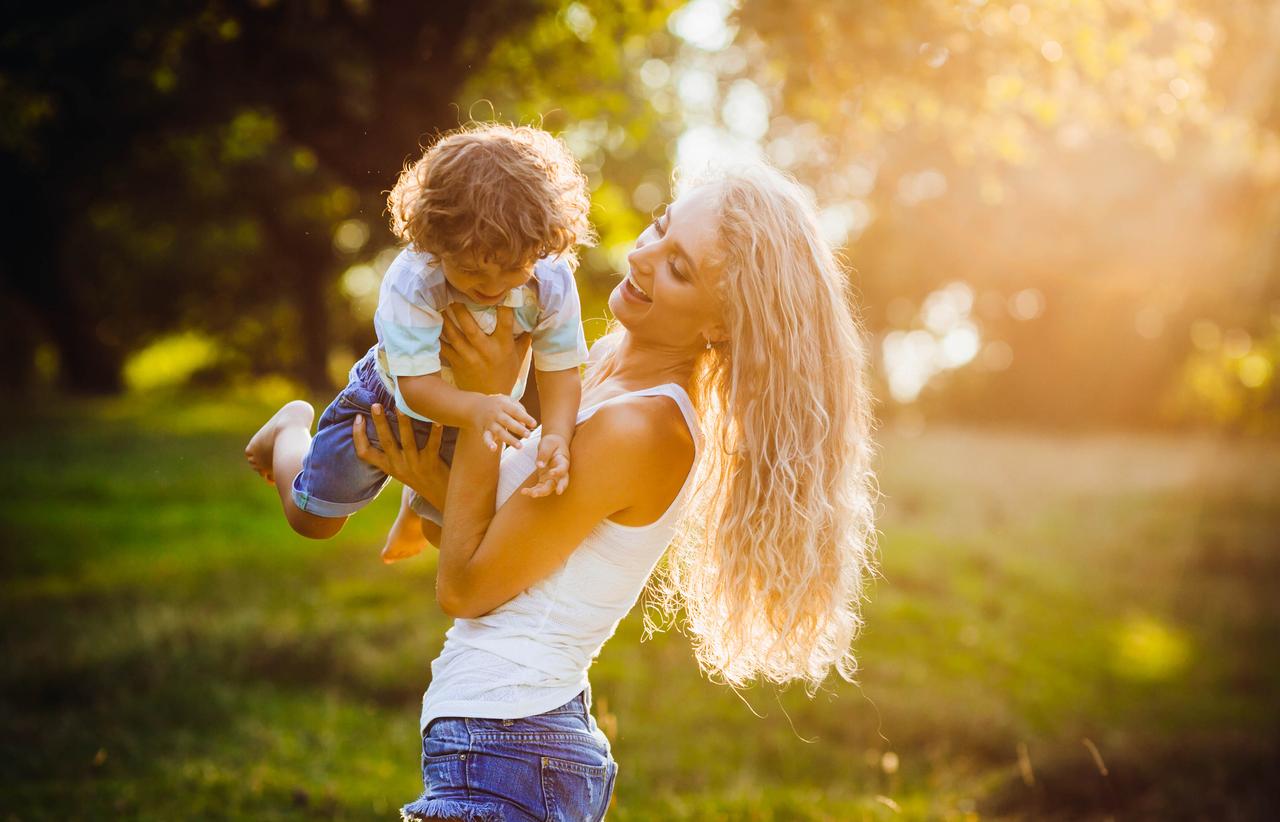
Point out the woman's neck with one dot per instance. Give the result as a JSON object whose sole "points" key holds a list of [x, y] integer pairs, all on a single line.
{"points": [[634, 365]]}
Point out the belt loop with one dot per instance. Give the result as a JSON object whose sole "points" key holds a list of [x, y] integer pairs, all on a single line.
{"points": [[586, 702]]}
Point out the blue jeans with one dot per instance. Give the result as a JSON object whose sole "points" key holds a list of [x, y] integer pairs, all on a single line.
{"points": [[334, 481], [552, 767]]}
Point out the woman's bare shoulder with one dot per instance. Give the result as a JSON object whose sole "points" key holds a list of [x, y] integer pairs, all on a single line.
{"points": [[642, 448], [648, 435]]}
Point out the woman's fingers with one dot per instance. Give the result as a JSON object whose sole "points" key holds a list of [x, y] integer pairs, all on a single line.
{"points": [[522, 344], [467, 323], [434, 439], [489, 441], [447, 351], [506, 320], [365, 449], [408, 441], [380, 425], [450, 331]]}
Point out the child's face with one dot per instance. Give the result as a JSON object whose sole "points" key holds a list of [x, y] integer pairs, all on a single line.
{"points": [[481, 281]]}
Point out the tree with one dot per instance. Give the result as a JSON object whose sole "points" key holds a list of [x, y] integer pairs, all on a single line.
{"points": [[187, 164], [1111, 167]]}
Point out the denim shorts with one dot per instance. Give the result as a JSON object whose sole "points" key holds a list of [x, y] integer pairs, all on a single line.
{"points": [[334, 481], [551, 767]]}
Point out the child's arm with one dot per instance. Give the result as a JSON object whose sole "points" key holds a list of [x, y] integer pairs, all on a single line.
{"points": [[561, 394], [499, 417]]}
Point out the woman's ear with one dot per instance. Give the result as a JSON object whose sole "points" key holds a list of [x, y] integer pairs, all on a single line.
{"points": [[715, 334]]}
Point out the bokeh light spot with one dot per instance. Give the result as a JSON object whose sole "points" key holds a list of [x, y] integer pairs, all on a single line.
{"points": [[1149, 649], [704, 24], [1027, 304], [351, 236], [169, 362]]}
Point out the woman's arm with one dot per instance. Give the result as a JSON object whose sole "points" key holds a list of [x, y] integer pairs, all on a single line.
{"points": [[486, 558]]}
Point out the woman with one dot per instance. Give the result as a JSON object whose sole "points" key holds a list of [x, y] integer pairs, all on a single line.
{"points": [[732, 325]]}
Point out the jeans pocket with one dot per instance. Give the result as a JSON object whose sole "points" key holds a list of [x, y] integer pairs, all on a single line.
{"points": [[575, 791], [357, 397], [440, 773]]}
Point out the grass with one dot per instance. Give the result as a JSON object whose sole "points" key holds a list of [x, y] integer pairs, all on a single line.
{"points": [[1050, 607]]}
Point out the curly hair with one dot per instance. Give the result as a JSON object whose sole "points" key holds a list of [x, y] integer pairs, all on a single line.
{"points": [[505, 194], [771, 560]]}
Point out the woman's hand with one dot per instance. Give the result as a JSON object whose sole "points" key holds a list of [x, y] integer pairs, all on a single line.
{"points": [[422, 470], [485, 363]]}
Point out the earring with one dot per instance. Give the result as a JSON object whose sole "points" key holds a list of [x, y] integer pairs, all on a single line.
{"points": [[708, 344]]}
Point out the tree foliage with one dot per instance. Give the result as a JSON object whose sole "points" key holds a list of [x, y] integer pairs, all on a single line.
{"points": [[1114, 162], [186, 165]]}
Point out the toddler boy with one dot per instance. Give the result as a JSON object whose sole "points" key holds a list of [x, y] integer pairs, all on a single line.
{"points": [[491, 216]]}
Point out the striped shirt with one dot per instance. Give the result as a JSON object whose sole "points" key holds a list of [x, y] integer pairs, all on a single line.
{"points": [[409, 320]]}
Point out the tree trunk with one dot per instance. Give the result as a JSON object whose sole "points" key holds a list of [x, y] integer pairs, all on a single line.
{"points": [[312, 280], [86, 364]]}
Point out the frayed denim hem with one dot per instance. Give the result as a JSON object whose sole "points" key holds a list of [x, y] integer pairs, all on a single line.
{"points": [[424, 809]]}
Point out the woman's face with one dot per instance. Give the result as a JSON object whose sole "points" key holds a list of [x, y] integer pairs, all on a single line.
{"points": [[671, 290]]}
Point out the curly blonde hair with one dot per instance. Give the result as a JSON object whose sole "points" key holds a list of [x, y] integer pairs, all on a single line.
{"points": [[506, 194], [770, 565]]}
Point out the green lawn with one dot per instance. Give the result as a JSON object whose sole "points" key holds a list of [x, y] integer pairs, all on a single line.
{"points": [[1050, 606]]}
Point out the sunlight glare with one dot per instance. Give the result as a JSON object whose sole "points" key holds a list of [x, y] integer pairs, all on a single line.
{"points": [[704, 24], [697, 90], [707, 146], [746, 110]]}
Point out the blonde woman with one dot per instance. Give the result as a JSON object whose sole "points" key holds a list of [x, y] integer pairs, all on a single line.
{"points": [[728, 409]]}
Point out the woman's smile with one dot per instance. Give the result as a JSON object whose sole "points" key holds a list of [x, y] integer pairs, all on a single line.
{"points": [[633, 292]]}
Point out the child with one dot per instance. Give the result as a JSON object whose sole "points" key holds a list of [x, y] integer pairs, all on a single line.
{"points": [[491, 215]]}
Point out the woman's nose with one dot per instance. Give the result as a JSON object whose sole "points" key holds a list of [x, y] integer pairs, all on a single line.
{"points": [[638, 258]]}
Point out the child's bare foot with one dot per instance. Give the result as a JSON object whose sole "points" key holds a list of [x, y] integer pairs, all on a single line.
{"points": [[405, 539], [259, 450]]}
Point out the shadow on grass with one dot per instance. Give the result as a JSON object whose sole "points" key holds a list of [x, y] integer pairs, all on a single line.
{"points": [[1224, 776]]}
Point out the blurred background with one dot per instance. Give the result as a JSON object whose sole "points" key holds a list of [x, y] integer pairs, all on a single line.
{"points": [[1062, 223]]}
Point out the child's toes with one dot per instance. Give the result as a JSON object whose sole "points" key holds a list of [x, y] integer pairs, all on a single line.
{"points": [[396, 551]]}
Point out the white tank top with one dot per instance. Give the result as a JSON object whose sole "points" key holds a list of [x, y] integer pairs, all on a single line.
{"points": [[531, 654]]}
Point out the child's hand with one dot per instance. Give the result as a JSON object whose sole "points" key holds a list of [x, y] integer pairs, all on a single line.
{"points": [[553, 467], [501, 419]]}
